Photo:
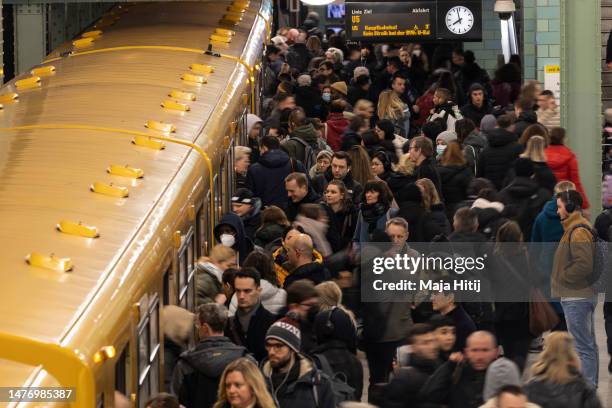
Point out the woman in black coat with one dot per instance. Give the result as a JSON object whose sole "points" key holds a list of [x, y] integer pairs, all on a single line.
{"points": [[421, 225], [455, 176], [341, 212]]}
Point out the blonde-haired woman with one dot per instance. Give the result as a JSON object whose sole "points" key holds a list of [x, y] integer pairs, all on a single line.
{"points": [[556, 379], [242, 386], [330, 296], [433, 204], [360, 169], [534, 151], [391, 107], [242, 161]]}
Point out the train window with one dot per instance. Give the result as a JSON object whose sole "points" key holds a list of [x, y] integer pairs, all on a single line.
{"points": [[187, 272], [122, 371], [200, 235], [148, 351], [218, 194], [208, 239], [167, 285]]}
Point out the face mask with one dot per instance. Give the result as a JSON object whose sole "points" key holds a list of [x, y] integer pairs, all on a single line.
{"points": [[416, 53], [326, 97], [228, 240], [440, 149]]}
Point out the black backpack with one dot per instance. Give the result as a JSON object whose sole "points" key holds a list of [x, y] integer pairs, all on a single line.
{"points": [[310, 153], [601, 259], [342, 391]]}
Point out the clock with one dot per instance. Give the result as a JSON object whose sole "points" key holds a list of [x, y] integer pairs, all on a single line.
{"points": [[459, 20]]}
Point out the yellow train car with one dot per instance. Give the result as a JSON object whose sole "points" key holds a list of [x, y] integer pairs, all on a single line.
{"points": [[117, 159]]}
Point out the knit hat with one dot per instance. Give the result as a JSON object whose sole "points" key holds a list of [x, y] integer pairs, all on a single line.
{"points": [[523, 167], [487, 123], [286, 331], [324, 153], [500, 373], [243, 196], [341, 87], [447, 136], [304, 80]]}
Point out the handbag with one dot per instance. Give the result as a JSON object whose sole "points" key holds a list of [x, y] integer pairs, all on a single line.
{"points": [[542, 317]]}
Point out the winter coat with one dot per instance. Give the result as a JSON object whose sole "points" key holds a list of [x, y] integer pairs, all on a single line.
{"points": [[310, 100], [575, 394], [464, 326], [421, 225], [336, 124], [354, 188], [343, 362], [573, 262], [267, 234], [292, 208], [449, 112], [455, 181], [252, 221], [253, 143], [469, 111], [438, 215], [297, 389], [496, 159], [243, 245], [307, 134], [356, 93], [386, 321], [363, 232], [457, 387], [282, 266], [425, 104], [208, 282], [266, 178], [318, 231], [547, 226], [196, 377], [342, 224], [505, 93], [427, 169], [563, 163], [490, 216], [314, 271], [523, 200], [473, 145], [253, 338], [272, 298], [298, 57], [396, 181], [401, 123], [524, 120], [403, 390], [542, 174]]}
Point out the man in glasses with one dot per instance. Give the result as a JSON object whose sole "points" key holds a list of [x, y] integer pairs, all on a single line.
{"points": [[292, 378]]}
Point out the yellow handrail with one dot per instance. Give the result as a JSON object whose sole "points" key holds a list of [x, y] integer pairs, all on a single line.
{"points": [[69, 368], [133, 133]]}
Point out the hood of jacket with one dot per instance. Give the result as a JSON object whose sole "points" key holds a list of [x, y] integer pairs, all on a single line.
{"points": [[274, 159], [558, 156], [528, 116], [251, 121], [476, 139], [550, 210], [307, 133], [212, 355], [500, 137], [337, 122], [234, 221]]}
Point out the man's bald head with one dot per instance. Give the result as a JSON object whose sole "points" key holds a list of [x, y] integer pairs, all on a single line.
{"points": [[293, 34], [299, 250], [303, 244], [481, 350]]}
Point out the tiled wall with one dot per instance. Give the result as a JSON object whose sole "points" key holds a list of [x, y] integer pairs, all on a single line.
{"points": [[487, 51], [541, 36]]}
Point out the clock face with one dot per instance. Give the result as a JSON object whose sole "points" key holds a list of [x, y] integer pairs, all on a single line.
{"points": [[459, 20]]}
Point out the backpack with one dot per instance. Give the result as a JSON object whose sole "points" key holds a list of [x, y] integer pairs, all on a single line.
{"points": [[310, 152], [342, 391], [601, 259]]}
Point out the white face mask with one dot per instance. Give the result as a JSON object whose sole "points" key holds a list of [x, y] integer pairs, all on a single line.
{"points": [[228, 240], [439, 149]]}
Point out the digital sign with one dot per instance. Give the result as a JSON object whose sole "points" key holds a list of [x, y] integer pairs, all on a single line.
{"points": [[454, 20]]}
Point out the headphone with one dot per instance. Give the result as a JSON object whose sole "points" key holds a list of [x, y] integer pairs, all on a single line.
{"points": [[329, 327], [570, 206]]}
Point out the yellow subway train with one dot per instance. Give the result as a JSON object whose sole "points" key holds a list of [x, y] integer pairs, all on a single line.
{"points": [[117, 160]]}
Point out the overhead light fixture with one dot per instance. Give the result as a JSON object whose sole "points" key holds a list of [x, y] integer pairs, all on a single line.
{"points": [[317, 2], [504, 6]]}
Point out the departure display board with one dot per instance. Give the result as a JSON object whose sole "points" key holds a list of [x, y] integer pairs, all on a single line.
{"points": [[406, 21]]}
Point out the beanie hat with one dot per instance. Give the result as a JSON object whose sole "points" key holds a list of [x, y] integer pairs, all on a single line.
{"points": [[243, 196], [324, 153], [487, 123], [447, 136], [340, 86], [523, 167], [286, 330], [500, 373]]}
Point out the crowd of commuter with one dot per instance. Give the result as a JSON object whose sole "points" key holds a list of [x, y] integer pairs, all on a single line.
{"points": [[385, 144]]}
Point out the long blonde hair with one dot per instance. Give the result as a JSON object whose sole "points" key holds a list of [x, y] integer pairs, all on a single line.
{"points": [[430, 194], [252, 377], [360, 169], [390, 106], [535, 149], [558, 363], [405, 166], [330, 296]]}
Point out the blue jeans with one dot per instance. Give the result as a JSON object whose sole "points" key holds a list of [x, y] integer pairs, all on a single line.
{"points": [[579, 315]]}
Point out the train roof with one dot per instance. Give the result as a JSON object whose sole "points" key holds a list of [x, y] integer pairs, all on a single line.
{"points": [[46, 173]]}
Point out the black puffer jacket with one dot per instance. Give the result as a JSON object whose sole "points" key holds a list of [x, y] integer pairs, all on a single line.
{"points": [[342, 361], [314, 271], [575, 394], [269, 234], [252, 221], [341, 224], [542, 174], [421, 226], [427, 169], [496, 159], [293, 208], [396, 181], [523, 200], [196, 377], [524, 120], [403, 390], [455, 181], [476, 114], [456, 387]]}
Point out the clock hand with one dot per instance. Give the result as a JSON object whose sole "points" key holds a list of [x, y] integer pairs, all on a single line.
{"points": [[458, 21]]}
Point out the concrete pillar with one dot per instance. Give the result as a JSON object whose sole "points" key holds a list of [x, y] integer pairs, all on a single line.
{"points": [[30, 36], [581, 89]]}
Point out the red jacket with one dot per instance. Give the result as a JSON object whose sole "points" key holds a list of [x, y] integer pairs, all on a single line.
{"points": [[562, 161], [425, 104], [336, 125]]}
